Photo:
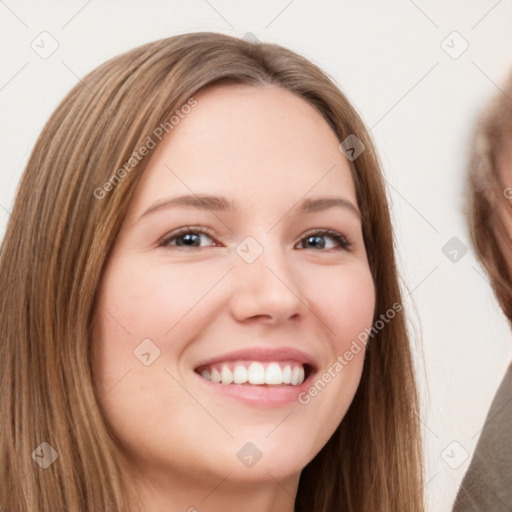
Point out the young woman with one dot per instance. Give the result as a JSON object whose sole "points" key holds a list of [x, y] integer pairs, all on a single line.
{"points": [[200, 305], [487, 484]]}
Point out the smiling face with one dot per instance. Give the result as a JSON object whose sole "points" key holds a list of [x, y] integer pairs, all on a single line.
{"points": [[188, 283]]}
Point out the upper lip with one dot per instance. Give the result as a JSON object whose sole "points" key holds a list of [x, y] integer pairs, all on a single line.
{"points": [[262, 354]]}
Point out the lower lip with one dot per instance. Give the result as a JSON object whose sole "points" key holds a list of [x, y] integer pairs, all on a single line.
{"points": [[267, 396]]}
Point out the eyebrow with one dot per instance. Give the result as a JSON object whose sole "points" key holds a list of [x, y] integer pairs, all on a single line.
{"points": [[221, 204]]}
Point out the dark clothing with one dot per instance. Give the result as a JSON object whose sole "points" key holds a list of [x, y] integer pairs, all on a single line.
{"points": [[487, 485]]}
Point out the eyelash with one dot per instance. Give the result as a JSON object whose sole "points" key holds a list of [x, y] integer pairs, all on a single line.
{"points": [[343, 242]]}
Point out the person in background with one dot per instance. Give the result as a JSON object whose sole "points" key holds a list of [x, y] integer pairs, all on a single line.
{"points": [[487, 485]]}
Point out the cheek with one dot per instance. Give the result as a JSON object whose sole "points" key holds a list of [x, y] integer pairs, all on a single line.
{"points": [[132, 316], [147, 301], [345, 304], [346, 301], [145, 308]]}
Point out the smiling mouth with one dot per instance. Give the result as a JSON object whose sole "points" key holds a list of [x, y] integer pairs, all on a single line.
{"points": [[256, 373]]}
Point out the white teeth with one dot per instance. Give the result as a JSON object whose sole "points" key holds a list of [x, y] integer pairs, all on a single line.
{"points": [[256, 373], [287, 374], [240, 374], [295, 376], [226, 375], [216, 375], [273, 375]]}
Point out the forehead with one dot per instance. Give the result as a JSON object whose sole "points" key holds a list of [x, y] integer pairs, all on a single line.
{"points": [[249, 142]]}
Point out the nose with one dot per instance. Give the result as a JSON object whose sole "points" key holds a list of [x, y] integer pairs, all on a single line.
{"points": [[266, 289]]}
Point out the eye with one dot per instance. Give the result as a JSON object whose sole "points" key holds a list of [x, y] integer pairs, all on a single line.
{"points": [[190, 236], [316, 238], [185, 237]]}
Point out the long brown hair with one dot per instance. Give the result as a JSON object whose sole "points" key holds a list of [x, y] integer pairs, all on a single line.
{"points": [[489, 150], [57, 241]]}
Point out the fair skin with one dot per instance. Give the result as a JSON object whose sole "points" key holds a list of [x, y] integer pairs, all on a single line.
{"points": [[267, 150]]}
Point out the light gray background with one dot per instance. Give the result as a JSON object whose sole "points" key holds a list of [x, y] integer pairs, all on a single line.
{"points": [[420, 102]]}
